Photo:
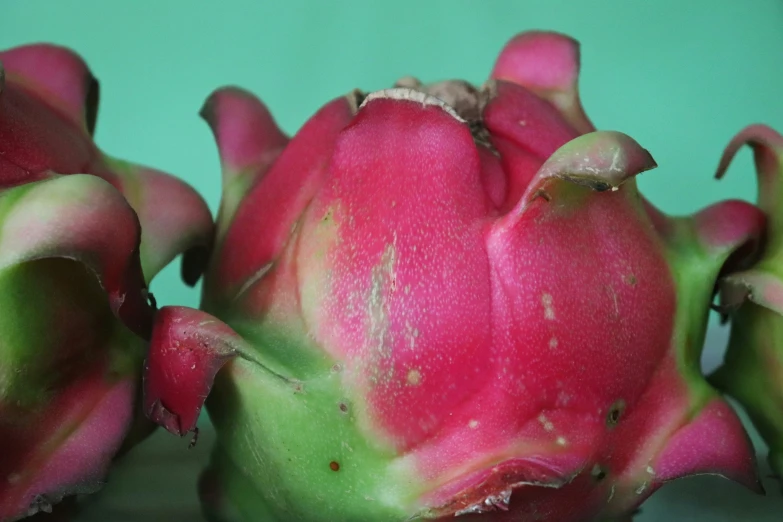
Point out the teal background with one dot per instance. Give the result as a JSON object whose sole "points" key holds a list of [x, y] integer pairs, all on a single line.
{"points": [[680, 77]]}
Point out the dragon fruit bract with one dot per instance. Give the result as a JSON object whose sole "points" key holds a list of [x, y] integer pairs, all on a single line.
{"points": [[753, 299], [81, 236], [441, 300]]}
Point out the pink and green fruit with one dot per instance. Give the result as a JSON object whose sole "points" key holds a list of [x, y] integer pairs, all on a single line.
{"points": [[442, 299], [81, 237], [753, 299]]}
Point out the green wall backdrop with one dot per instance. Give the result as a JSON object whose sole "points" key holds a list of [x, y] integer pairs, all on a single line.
{"points": [[679, 76]]}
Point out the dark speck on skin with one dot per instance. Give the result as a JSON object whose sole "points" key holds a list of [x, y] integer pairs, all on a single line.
{"points": [[615, 411], [599, 473]]}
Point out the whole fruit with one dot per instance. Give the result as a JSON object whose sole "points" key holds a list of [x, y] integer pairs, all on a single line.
{"points": [[441, 300]]}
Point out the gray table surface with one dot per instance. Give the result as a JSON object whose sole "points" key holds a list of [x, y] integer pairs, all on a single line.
{"points": [[156, 482]]}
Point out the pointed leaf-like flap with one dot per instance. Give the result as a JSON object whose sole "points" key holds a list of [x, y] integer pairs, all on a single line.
{"points": [[83, 218], [714, 442], [547, 63], [754, 285], [174, 218], [767, 147], [723, 238], [248, 141], [188, 349], [58, 74], [246, 133], [517, 114], [601, 161], [272, 206], [729, 234], [762, 284], [731, 227]]}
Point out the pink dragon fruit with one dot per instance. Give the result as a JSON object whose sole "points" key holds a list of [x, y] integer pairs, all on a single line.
{"points": [[753, 299], [440, 300], [81, 236]]}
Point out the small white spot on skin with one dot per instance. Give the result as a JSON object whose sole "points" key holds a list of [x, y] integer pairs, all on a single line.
{"points": [[522, 123], [414, 377], [193, 367], [548, 426], [641, 488], [613, 166], [549, 309], [473, 424], [561, 441], [563, 399], [553, 343], [650, 470], [614, 300], [412, 334]]}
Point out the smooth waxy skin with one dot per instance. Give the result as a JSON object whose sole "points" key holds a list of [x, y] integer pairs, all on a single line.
{"points": [[427, 306], [81, 237], [753, 300]]}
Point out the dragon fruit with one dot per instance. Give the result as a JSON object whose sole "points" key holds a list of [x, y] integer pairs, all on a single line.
{"points": [[81, 236], [753, 299], [439, 300]]}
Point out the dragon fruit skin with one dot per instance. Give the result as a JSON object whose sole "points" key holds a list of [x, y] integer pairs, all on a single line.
{"points": [[436, 300], [753, 299], [81, 237]]}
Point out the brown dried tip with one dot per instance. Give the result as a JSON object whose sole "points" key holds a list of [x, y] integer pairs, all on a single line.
{"points": [[355, 99]]}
